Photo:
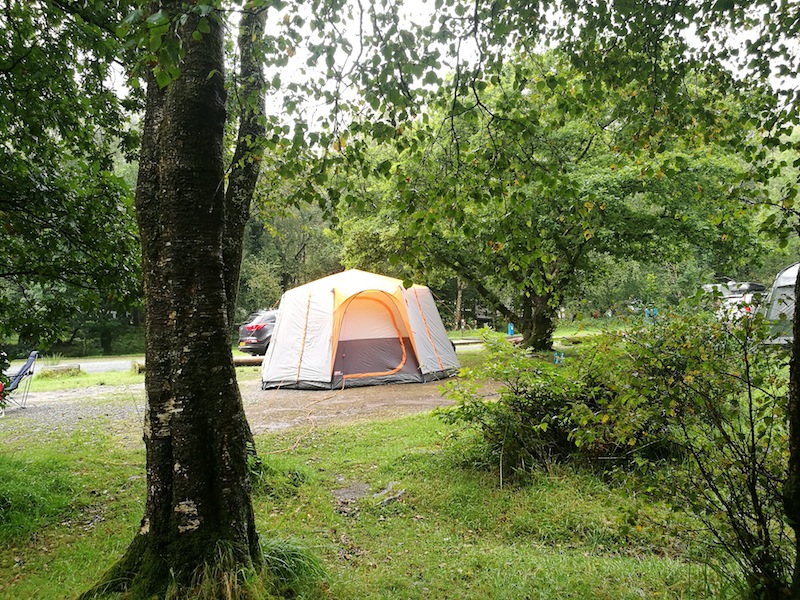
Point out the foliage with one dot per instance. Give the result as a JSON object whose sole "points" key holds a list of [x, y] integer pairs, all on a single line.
{"points": [[723, 393], [61, 125], [288, 570], [627, 286], [106, 332], [700, 402], [293, 569], [284, 247], [522, 189], [624, 42], [525, 427], [545, 414]]}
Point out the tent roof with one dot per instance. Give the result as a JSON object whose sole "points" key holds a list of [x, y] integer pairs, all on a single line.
{"points": [[350, 282], [787, 277]]}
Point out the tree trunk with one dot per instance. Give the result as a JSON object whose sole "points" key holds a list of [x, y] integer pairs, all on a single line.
{"points": [[459, 297], [791, 492], [198, 505], [106, 339], [246, 164], [539, 323]]}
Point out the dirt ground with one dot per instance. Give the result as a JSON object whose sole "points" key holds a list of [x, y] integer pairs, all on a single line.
{"points": [[267, 410], [271, 410]]}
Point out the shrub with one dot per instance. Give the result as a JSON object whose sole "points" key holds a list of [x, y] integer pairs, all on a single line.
{"points": [[580, 410], [695, 401], [723, 393]]}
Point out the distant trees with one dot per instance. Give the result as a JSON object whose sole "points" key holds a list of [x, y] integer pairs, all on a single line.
{"points": [[283, 248], [522, 187], [62, 124]]}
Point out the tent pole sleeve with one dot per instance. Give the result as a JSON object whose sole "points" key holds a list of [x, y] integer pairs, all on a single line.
{"points": [[428, 331], [303, 341]]}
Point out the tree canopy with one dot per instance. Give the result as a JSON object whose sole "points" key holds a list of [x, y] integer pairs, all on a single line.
{"points": [[521, 189], [68, 235]]}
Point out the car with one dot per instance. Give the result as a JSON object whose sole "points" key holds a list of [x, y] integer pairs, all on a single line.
{"points": [[255, 334], [736, 299]]}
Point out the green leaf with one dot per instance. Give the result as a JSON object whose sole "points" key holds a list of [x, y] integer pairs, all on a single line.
{"points": [[162, 77], [157, 18]]}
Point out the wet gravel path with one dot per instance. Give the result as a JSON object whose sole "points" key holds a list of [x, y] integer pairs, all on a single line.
{"points": [[269, 410]]}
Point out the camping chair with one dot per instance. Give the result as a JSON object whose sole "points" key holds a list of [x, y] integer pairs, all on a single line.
{"points": [[17, 389]]}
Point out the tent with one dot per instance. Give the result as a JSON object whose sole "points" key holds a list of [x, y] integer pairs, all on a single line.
{"points": [[779, 306], [357, 328]]}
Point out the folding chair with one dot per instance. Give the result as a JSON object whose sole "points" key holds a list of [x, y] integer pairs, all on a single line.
{"points": [[17, 389]]}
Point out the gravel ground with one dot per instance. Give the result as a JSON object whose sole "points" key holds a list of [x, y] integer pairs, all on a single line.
{"points": [[269, 410]]}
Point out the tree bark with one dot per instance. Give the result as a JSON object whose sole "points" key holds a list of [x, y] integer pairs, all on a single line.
{"points": [[459, 297], [246, 164], [538, 323], [196, 434], [791, 492]]}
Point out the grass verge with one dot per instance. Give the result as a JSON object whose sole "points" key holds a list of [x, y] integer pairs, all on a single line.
{"points": [[392, 509], [395, 514]]}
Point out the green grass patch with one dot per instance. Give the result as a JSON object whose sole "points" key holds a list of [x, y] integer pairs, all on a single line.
{"points": [[43, 383], [564, 328], [391, 509], [472, 357], [34, 490], [75, 502], [396, 512]]}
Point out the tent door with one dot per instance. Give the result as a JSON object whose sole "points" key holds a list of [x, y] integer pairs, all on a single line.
{"points": [[373, 341]]}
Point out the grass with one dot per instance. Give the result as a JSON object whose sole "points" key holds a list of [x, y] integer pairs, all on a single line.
{"points": [[35, 489], [564, 328], [75, 500], [55, 383], [453, 532], [392, 509]]}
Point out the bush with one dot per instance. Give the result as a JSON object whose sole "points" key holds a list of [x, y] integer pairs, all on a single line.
{"points": [[579, 410], [723, 393], [696, 403]]}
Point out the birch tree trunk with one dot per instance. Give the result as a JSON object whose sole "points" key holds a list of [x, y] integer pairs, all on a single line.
{"points": [[198, 490]]}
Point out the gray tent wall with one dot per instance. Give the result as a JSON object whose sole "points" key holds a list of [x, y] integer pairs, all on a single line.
{"points": [[779, 307]]}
